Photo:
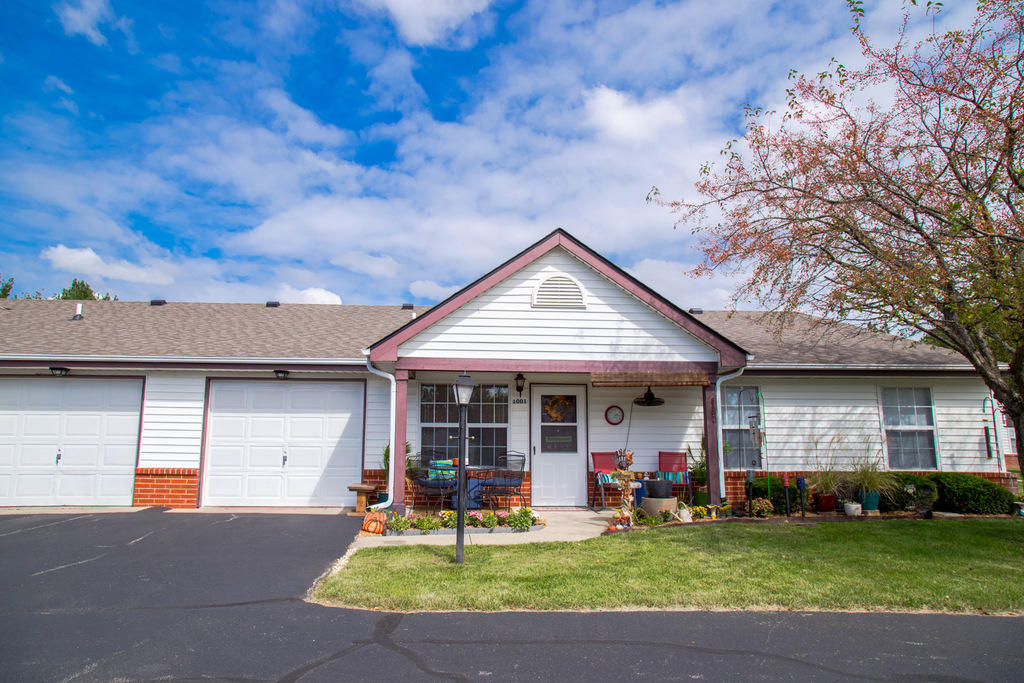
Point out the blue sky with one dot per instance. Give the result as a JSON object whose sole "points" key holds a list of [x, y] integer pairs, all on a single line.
{"points": [[372, 151]]}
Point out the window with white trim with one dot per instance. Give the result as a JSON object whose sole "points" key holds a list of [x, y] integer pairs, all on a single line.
{"points": [[1011, 434], [487, 420], [741, 405], [909, 428]]}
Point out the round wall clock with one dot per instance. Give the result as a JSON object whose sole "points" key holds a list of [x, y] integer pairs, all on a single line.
{"points": [[613, 415]]}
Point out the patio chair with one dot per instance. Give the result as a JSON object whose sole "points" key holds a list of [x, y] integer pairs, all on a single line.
{"points": [[604, 465], [439, 482], [672, 467], [506, 480]]}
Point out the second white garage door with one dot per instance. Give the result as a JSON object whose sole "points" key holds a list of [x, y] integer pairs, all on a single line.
{"points": [[282, 443]]}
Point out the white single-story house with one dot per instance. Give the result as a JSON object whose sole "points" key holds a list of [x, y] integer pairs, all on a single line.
{"points": [[200, 404]]}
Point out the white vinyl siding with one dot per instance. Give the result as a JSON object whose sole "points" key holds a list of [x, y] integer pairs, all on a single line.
{"points": [[670, 427], [960, 412], [378, 420], [503, 323], [812, 419], [807, 420], [172, 428]]}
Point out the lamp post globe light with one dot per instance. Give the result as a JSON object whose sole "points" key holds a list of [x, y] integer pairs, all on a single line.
{"points": [[463, 388]]}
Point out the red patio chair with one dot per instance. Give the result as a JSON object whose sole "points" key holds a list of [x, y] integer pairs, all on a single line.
{"points": [[604, 464], [671, 462]]}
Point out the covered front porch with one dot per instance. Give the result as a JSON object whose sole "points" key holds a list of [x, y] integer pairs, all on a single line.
{"points": [[556, 414]]}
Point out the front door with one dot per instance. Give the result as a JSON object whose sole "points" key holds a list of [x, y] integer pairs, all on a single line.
{"points": [[559, 445]]}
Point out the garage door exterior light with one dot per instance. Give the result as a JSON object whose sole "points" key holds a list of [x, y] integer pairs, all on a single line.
{"points": [[59, 372], [281, 374]]}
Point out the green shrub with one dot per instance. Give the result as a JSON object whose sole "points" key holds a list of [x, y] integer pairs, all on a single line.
{"points": [[398, 523], [427, 524], [761, 507], [778, 497], [970, 494], [521, 519], [902, 499]]}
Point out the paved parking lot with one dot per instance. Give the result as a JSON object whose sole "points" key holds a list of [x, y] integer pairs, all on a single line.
{"points": [[172, 596]]}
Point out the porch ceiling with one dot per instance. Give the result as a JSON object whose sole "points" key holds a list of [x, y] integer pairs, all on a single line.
{"points": [[649, 379]]}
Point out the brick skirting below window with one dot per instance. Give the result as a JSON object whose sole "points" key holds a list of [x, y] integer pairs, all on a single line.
{"points": [[166, 487]]}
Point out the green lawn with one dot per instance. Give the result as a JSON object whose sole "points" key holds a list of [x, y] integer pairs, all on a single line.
{"points": [[941, 565]]}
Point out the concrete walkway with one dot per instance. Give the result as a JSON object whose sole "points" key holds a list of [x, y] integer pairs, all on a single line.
{"points": [[562, 525]]}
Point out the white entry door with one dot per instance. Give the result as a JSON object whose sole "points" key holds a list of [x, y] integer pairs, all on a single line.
{"points": [[559, 450], [68, 441], [280, 443]]}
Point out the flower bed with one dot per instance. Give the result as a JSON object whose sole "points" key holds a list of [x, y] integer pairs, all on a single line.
{"points": [[520, 520]]}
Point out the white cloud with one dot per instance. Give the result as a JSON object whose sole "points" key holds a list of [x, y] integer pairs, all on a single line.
{"points": [[367, 264], [428, 23], [428, 289], [311, 295], [87, 16], [300, 123], [87, 262], [53, 83], [619, 116]]}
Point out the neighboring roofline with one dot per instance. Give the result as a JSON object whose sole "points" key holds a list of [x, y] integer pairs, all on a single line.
{"points": [[58, 358], [730, 353]]}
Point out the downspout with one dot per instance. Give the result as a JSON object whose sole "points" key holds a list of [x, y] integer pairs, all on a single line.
{"points": [[394, 399], [718, 426], [1000, 458]]}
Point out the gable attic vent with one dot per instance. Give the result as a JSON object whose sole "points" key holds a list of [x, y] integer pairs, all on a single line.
{"points": [[559, 291]]}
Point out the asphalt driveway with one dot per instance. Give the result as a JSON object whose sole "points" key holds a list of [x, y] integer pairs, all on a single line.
{"points": [[173, 596]]}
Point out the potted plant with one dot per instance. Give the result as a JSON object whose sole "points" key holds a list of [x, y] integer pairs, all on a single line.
{"points": [[851, 508], [698, 475], [828, 486], [868, 482]]}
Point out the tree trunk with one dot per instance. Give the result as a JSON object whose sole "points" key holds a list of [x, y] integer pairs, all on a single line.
{"points": [[1018, 426]]}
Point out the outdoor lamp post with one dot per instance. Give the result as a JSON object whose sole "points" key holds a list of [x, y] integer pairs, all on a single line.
{"points": [[463, 387]]}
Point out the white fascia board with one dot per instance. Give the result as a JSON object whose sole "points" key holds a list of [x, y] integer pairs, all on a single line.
{"points": [[180, 359]]}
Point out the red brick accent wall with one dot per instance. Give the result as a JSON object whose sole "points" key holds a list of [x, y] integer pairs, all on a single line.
{"points": [[1012, 460], [736, 481], [166, 487]]}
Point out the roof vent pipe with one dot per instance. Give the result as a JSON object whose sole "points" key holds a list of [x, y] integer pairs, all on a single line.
{"points": [[696, 311], [273, 304], [78, 312], [158, 302]]}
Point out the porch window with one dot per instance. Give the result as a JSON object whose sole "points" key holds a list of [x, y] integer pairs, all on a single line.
{"points": [[909, 427], [487, 419], [741, 404]]}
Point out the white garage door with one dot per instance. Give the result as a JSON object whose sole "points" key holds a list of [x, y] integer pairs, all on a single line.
{"points": [[283, 443], [68, 441]]}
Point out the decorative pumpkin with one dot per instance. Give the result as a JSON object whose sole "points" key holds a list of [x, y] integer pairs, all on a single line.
{"points": [[374, 522]]}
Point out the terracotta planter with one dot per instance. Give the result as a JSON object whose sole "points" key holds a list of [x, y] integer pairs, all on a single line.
{"points": [[825, 502]]}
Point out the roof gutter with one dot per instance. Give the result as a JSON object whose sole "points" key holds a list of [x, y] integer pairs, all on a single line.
{"points": [[861, 366], [393, 429]]}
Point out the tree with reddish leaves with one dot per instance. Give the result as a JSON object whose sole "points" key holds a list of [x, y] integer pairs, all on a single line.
{"points": [[890, 195]]}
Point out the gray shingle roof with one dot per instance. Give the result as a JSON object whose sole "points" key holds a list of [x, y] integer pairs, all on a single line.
{"points": [[194, 330], [804, 342], [311, 331]]}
